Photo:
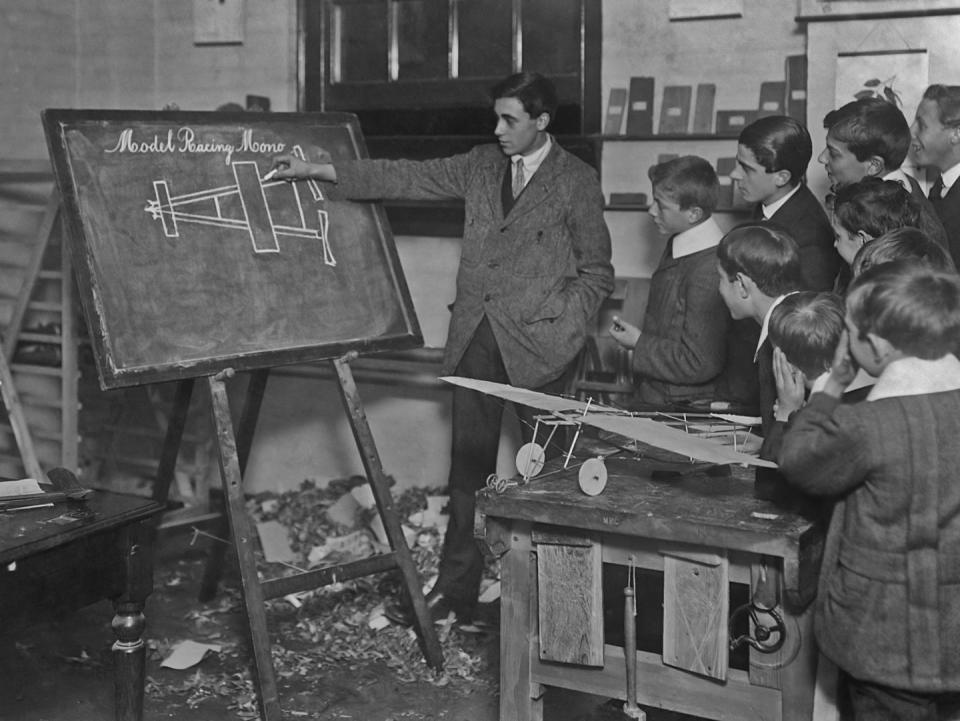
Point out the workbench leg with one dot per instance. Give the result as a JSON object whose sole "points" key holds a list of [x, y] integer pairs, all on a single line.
{"points": [[799, 678], [521, 699]]}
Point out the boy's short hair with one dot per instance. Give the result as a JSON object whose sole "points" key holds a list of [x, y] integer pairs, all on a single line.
{"points": [[907, 244], [806, 326], [947, 98], [690, 181], [916, 309], [779, 143], [871, 126], [768, 256], [875, 206], [536, 92]]}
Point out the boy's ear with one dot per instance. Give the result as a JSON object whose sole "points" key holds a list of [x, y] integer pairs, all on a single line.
{"points": [[883, 350], [782, 178], [864, 237], [694, 214], [875, 166], [543, 120], [746, 285]]}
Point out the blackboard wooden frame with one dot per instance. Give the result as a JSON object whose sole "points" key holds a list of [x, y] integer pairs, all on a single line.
{"points": [[190, 260]]}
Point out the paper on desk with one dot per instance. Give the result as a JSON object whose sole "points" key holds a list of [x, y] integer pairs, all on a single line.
{"points": [[188, 653], [21, 487]]}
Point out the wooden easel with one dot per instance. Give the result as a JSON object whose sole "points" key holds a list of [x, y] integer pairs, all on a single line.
{"points": [[234, 451]]}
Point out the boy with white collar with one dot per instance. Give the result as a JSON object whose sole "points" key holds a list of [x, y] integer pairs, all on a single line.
{"points": [[759, 265], [685, 355], [888, 607]]}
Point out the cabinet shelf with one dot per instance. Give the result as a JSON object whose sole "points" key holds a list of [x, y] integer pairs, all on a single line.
{"points": [[673, 137]]}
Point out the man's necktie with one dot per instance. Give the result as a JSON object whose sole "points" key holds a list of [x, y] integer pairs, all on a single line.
{"points": [[518, 177], [936, 191]]}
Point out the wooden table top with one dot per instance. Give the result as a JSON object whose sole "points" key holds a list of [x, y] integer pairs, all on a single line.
{"points": [[696, 508], [28, 531]]}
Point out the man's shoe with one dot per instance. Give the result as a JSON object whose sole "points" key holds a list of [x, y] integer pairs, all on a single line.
{"points": [[439, 605]]}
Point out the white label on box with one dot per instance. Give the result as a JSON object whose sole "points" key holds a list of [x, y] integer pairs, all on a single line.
{"points": [[798, 94], [639, 105], [674, 112]]}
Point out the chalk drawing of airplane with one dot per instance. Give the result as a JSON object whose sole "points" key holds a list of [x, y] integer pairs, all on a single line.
{"points": [[208, 207]]}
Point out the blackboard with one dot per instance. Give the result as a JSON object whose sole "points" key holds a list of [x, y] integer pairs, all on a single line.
{"points": [[190, 261]]}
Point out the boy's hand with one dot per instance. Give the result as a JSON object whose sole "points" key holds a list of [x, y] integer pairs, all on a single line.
{"points": [[791, 390], [626, 334], [843, 369]]}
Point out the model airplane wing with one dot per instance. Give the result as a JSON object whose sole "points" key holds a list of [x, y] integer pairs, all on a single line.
{"points": [[641, 429]]}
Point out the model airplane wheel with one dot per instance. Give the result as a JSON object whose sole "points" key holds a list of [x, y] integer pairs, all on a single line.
{"points": [[593, 476], [530, 459]]}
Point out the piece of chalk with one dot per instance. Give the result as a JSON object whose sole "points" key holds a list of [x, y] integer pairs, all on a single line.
{"points": [[269, 176]]}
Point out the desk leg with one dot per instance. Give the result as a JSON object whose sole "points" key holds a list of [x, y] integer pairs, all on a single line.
{"points": [[129, 651], [129, 658], [520, 698]]}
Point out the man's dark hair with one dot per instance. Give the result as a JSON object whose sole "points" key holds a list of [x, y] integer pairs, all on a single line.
{"points": [[766, 255], [875, 206], [779, 143], [871, 126], [534, 91], [806, 326], [689, 181], [947, 98]]}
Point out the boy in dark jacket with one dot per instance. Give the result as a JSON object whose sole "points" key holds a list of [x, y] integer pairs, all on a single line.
{"points": [[684, 353], [888, 606]]}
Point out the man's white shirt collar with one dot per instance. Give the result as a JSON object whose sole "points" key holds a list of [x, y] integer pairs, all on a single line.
{"points": [[765, 326], [901, 178], [700, 237], [532, 162], [950, 177], [916, 376], [769, 210]]}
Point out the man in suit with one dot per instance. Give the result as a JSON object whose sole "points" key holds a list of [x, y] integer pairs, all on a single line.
{"points": [[772, 158], [870, 137], [534, 268], [936, 141]]}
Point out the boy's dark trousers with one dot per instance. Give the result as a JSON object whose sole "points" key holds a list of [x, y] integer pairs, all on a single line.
{"points": [[476, 439]]}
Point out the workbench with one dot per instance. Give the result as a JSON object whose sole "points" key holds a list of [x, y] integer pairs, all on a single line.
{"points": [[61, 557], [705, 533]]}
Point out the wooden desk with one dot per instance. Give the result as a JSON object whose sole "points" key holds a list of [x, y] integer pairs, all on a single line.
{"points": [[47, 568], [552, 538]]}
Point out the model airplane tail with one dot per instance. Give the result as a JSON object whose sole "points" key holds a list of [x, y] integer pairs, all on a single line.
{"points": [[644, 430]]}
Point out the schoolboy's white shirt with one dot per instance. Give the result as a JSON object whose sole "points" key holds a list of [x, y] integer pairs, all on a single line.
{"points": [[532, 162], [765, 326], [916, 376], [769, 210], [901, 178], [700, 237], [949, 177]]}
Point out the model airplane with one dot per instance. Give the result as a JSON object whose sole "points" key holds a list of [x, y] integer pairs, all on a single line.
{"points": [[622, 423]]}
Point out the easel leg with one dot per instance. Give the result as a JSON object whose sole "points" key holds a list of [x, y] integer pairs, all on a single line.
{"points": [[171, 442], [243, 536], [426, 633], [216, 556]]}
